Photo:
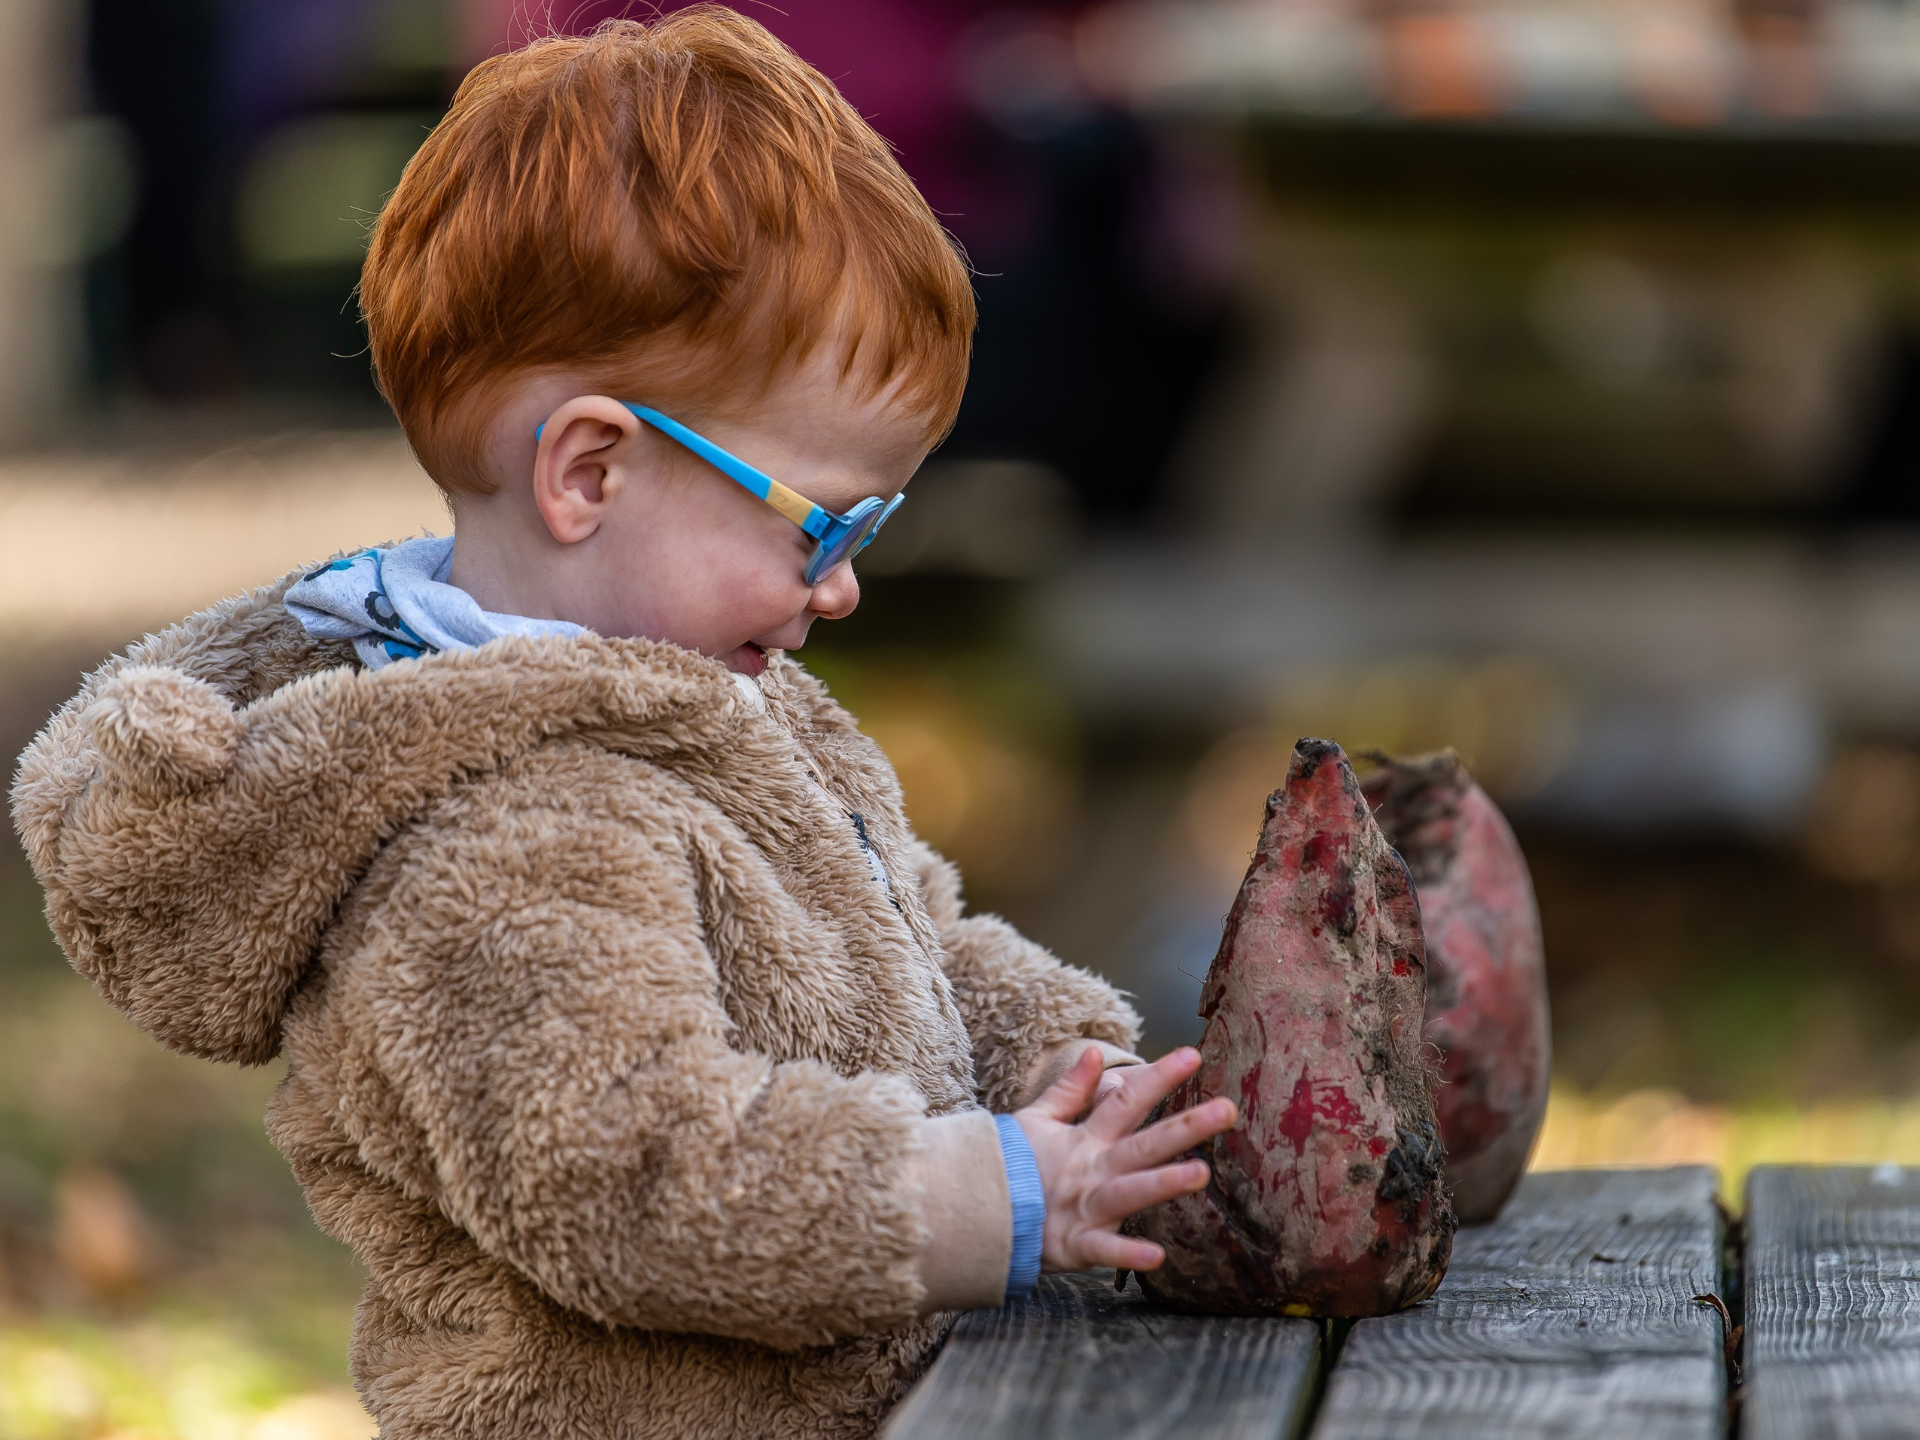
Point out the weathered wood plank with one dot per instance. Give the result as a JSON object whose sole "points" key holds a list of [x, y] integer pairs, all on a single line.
{"points": [[1571, 1315], [1077, 1360], [1833, 1303]]}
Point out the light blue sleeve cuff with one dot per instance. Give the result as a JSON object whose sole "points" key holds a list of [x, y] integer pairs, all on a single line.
{"points": [[1029, 1207]]}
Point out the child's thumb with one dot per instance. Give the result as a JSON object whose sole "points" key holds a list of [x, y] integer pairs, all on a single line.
{"points": [[1068, 1097]]}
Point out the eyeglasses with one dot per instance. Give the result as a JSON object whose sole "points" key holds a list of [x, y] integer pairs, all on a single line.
{"points": [[839, 537]]}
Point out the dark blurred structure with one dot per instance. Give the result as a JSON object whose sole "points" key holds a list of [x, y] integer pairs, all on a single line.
{"points": [[259, 138], [1570, 420], [1586, 261]]}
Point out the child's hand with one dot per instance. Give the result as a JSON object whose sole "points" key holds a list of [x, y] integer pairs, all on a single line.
{"points": [[1110, 1081], [1102, 1170]]}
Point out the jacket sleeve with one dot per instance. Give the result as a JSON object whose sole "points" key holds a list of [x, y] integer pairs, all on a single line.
{"points": [[1021, 1004], [536, 1043]]}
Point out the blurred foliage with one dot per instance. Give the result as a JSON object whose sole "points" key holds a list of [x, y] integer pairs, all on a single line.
{"points": [[159, 1276], [1736, 975], [1662, 1127], [160, 1378]]}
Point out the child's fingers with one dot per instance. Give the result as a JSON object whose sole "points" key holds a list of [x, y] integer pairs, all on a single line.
{"points": [[1067, 1098], [1144, 1087], [1143, 1189], [1122, 1252], [1159, 1143]]}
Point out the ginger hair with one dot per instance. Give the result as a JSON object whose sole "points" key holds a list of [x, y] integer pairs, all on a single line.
{"points": [[681, 210]]}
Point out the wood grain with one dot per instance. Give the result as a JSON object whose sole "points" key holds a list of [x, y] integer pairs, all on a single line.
{"points": [[1077, 1360], [1833, 1303], [1572, 1315]]}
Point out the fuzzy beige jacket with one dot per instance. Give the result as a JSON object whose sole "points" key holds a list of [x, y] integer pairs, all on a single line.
{"points": [[645, 1105]]}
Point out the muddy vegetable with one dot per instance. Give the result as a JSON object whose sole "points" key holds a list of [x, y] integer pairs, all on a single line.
{"points": [[1486, 1011], [1326, 1198]]}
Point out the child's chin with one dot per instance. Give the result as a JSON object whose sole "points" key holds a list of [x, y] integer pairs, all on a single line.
{"points": [[749, 659]]}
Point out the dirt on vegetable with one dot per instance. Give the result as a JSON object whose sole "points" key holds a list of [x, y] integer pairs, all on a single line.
{"points": [[1326, 1198]]}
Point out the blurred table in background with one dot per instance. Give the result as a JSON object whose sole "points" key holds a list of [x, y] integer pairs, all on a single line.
{"points": [[1576, 421]]}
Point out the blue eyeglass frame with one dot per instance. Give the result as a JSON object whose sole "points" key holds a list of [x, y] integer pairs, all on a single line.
{"points": [[839, 537]]}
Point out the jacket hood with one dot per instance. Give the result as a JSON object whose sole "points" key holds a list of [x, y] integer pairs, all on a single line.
{"points": [[199, 809]]}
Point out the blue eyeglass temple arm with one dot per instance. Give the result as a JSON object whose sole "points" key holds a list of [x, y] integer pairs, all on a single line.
{"points": [[795, 506], [810, 517]]}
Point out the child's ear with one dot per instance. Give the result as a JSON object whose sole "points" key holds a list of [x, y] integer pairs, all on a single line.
{"points": [[573, 464]]}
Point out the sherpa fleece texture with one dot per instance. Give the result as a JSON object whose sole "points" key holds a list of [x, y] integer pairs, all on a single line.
{"points": [[606, 1053]]}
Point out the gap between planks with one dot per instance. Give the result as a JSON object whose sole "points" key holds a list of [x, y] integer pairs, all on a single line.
{"points": [[1573, 1315]]}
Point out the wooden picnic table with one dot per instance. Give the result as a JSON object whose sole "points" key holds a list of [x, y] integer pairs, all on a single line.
{"points": [[1580, 1312]]}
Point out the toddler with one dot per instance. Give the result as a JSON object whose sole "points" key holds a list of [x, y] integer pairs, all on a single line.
{"points": [[646, 1059]]}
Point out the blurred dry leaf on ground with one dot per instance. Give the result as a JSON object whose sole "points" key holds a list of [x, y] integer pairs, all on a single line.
{"points": [[100, 1237]]}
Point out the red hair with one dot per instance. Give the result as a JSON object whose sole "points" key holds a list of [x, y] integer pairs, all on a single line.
{"points": [[681, 209]]}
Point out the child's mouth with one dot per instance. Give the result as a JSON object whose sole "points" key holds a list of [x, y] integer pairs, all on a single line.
{"points": [[749, 659]]}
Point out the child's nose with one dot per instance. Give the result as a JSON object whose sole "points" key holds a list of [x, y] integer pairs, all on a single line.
{"points": [[836, 594]]}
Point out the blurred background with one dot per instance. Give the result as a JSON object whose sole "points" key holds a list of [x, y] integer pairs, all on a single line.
{"points": [[1536, 377]]}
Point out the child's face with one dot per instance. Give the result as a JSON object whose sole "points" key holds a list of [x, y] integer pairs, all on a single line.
{"points": [[616, 527]]}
